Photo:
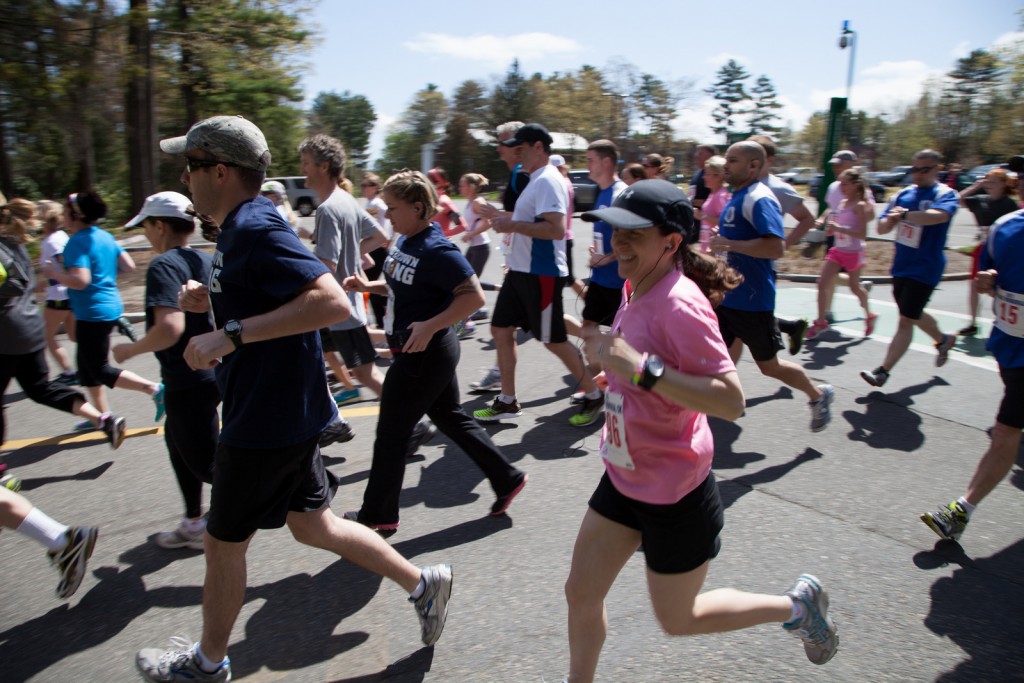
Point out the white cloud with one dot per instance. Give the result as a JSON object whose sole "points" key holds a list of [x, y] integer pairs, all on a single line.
{"points": [[961, 49], [884, 87], [493, 50], [1009, 39]]}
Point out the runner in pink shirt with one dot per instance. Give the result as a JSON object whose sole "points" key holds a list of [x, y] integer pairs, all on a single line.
{"points": [[666, 368]]}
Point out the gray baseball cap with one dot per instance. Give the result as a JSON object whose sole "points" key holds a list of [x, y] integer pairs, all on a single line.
{"points": [[232, 139]]}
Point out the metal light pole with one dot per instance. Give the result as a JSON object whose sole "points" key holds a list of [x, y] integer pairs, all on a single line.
{"points": [[848, 39]]}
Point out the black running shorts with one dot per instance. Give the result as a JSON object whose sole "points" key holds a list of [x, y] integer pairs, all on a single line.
{"points": [[911, 296], [759, 330], [677, 538]]}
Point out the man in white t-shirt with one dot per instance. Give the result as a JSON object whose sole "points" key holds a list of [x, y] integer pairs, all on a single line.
{"points": [[531, 295]]}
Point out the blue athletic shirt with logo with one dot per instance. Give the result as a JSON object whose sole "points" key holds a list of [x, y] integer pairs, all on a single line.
{"points": [[925, 262], [752, 213], [1004, 251], [98, 251], [274, 391], [422, 271], [607, 275]]}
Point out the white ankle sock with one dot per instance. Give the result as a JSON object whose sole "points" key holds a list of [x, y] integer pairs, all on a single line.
{"points": [[505, 398], [204, 662], [968, 508], [594, 395], [798, 612], [420, 587], [41, 527]]}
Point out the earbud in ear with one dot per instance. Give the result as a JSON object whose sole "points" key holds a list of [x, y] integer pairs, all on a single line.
{"points": [[668, 247]]}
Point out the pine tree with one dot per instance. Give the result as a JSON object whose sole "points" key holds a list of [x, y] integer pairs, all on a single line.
{"points": [[762, 117], [730, 93]]}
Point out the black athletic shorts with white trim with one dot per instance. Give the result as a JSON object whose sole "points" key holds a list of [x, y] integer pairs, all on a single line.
{"points": [[534, 303], [759, 330], [354, 346], [677, 538], [256, 488]]}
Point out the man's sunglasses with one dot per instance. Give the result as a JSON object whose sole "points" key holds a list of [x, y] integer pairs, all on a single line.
{"points": [[921, 169], [193, 165]]}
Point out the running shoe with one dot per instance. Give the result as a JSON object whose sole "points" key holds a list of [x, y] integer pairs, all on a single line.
{"points": [[114, 428], [490, 382], [465, 328], [347, 396], [68, 379], [127, 329], [336, 432], [71, 559], [178, 664], [943, 348], [432, 606], [158, 401], [948, 522], [816, 328], [590, 412], [183, 537], [821, 411], [423, 432], [502, 503], [816, 627], [10, 482], [383, 530], [577, 398], [498, 410], [796, 339], [869, 324], [85, 426], [482, 314], [969, 331], [876, 378]]}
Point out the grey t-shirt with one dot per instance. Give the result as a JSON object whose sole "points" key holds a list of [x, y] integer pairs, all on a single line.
{"points": [[789, 198], [22, 329], [341, 224]]}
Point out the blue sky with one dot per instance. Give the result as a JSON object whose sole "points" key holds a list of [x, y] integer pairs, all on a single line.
{"points": [[387, 51]]}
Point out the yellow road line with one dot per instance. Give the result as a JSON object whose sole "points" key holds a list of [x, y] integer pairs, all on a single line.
{"points": [[86, 437]]}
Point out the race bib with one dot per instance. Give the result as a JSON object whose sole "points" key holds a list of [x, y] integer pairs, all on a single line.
{"points": [[844, 241], [614, 448], [1009, 310], [909, 234]]}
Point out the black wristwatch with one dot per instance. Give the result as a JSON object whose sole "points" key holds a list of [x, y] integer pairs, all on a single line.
{"points": [[233, 330], [653, 369]]}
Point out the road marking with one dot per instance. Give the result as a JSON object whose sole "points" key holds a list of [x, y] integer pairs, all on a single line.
{"points": [[99, 437]]}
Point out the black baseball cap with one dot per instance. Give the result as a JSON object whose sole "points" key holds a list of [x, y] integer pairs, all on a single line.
{"points": [[530, 133], [1016, 164], [648, 204]]}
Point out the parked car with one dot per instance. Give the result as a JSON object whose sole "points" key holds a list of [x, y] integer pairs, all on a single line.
{"points": [[877, 189], [968, 178], [585, 189], [897, 176], [801, 175], [302, 198]]}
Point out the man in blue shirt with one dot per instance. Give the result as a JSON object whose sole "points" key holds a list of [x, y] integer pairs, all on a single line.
{"points": [[269, 296], [920, 214], [1001, 274], [750, 231]]}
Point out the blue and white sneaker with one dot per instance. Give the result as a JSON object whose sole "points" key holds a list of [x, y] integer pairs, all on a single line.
{"points": [[816, 627], [432, 606], [178, 664], [158, 401]]}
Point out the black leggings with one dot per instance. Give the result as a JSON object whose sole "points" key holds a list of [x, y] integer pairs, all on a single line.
{"points": [[92, 354], [191, 432], [33, 375], [418, 384], [378, 302]]}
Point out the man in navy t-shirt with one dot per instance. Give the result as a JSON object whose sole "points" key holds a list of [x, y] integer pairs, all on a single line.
{"points": [[750, 231], [1001, 274], [920, 214], [269, 296]]}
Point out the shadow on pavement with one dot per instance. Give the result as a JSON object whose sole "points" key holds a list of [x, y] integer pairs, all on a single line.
{"points": [[411, 669], [733, 489], [87, 475], [888, 422], [982, 615], [820, 357]]}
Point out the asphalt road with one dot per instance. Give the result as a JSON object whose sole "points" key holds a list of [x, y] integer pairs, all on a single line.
{"points": [[841, 504]]}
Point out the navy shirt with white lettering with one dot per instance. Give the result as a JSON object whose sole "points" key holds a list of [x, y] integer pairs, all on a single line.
{"points": [[422, 271], [275, 391]]}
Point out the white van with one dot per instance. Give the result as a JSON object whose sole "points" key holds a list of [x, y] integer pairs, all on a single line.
{"points": [[302, 199]]}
